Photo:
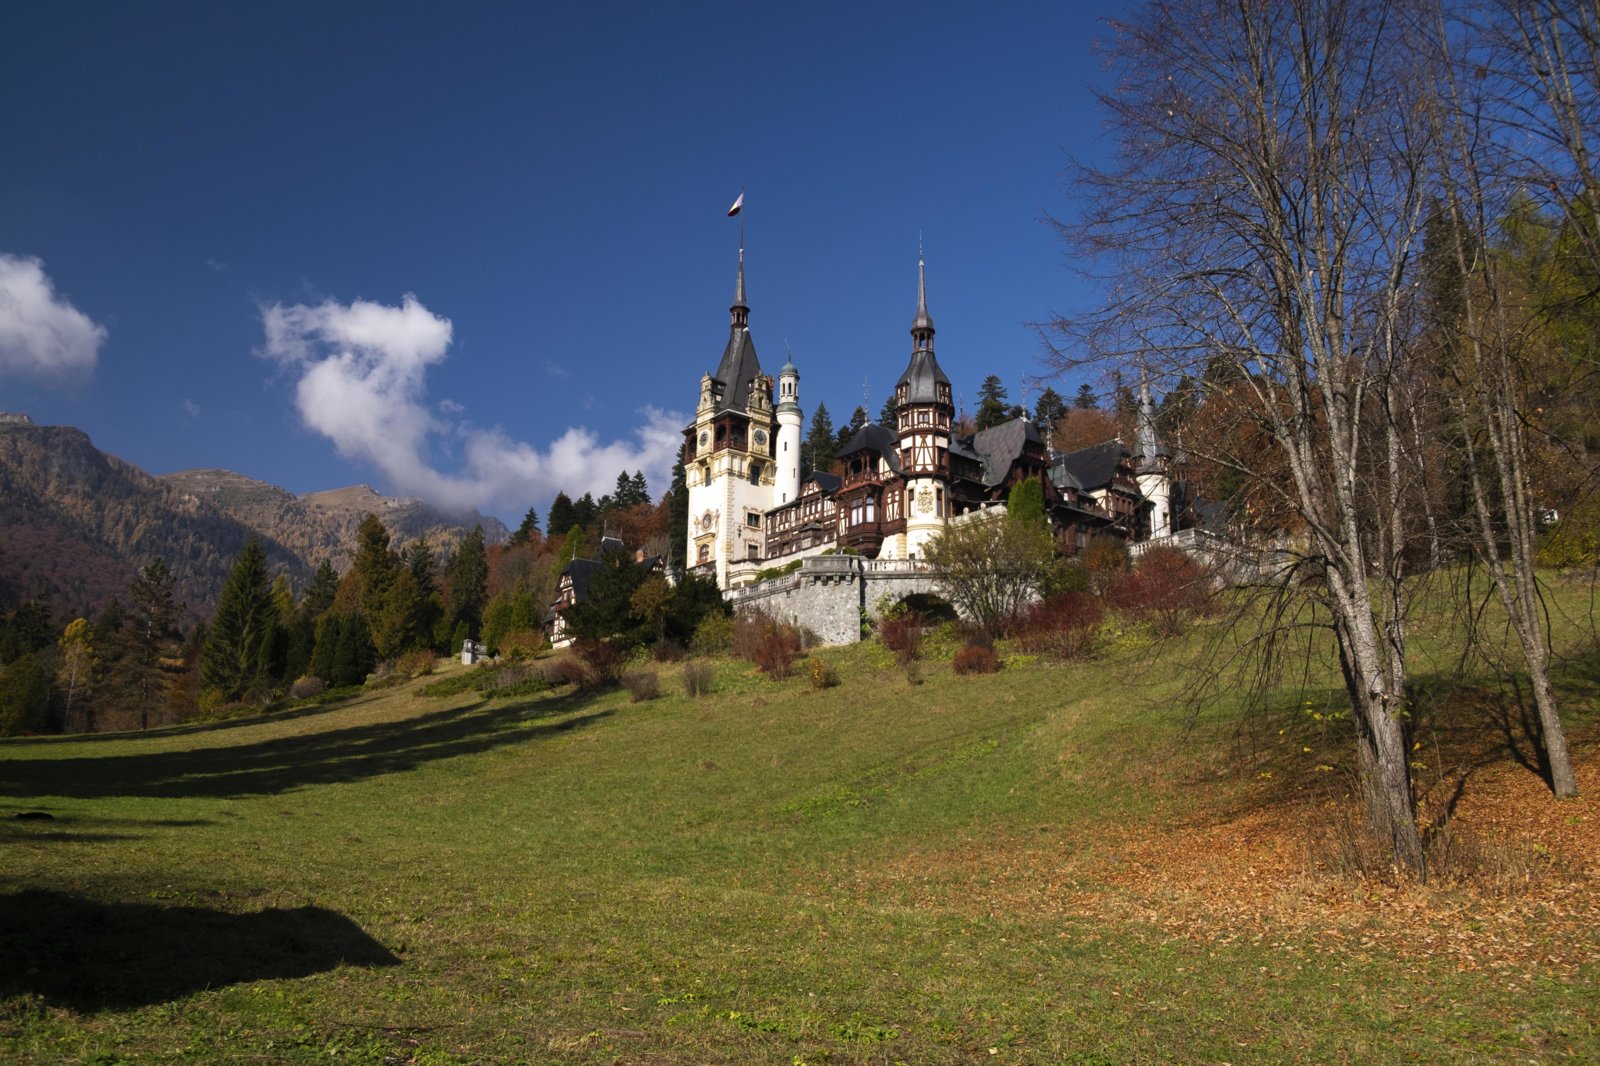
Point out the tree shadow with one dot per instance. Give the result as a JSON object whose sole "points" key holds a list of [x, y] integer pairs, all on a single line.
{"points": [[285, 763], [86, 956], [16, 827], [257, 718]]}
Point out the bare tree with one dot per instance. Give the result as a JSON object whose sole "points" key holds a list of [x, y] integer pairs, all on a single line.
{"points": [[1485, 333], [1262, 219]]}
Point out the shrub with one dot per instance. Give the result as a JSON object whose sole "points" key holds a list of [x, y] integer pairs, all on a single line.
{"points": [[823, 675], [1102, 560], [520, 644], [901, 632], [566, 670], [1167, 589], [1065, 625], [418, 662], [306, 687], [749, 629], [666, 651], [697, 678], [975, 659], [778, 649], [641, 685], [453, 684], [602, 662], [514, 680], [713, 636]]}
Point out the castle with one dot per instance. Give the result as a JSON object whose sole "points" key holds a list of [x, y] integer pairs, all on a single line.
{"points": [[892, 488]]}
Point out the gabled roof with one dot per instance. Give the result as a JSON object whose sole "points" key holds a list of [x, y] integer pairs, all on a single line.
{"points": [[1001, 446], [828, 483], [1092, 468], [739, 367]]}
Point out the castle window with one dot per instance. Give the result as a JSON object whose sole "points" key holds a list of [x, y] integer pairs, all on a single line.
{"points": [[753, 553], [752, 519], [755, 473], [938, 502], [705, 553], [922, 418]]}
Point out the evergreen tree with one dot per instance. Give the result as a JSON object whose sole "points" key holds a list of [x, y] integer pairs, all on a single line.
{"points": [[152, 624], [530, 526], [1049, 410], [374, 566], [1123, 401], [585, 511], [243, 624], [1085, 400], [319, 597], [641, 488], [992, 407], [858, 418], [1025, 504], [678, 517], [820, 447], [29, 700], [352, 655], [562, 516], [468, 579], [327, 644], [399, 626], [607, 610], [887, 416], [28, 630]]}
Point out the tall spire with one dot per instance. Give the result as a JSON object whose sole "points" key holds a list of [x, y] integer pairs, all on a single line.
{"points": [[1149, 446], [922, 325], [740, 309]]}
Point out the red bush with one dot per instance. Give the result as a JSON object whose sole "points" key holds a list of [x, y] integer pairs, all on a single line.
{"points": [[901, 632], [1064, 625], [975, 659], [602, 662], [772, 645], [1167, 587]]}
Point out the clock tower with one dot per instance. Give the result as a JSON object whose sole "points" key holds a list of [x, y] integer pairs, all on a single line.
{"points": [[730, 458]]}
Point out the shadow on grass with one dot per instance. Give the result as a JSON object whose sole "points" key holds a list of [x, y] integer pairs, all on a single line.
{"points": [[285, 763], [86, 956], [255, 718]]}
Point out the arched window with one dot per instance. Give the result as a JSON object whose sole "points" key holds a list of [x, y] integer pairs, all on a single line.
{"points": [[705, 553]]}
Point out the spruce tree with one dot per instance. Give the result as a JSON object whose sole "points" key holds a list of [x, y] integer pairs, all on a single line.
{"points": [[1085, 399], [992, 407], [887, 417], [585, 511], [525, 532], [244, 622], [468, 578], [374, 565], [678, 516], [562, 516], [820, 446], [1049, 410], [324, 584]]}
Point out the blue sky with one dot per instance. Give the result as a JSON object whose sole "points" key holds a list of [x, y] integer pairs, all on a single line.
{"points": [[479, 252]]}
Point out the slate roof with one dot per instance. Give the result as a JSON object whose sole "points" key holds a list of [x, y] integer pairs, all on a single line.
{"points": [[1091, 468], [739, 367], [1001, 446], [828, 483], [923, 374]]}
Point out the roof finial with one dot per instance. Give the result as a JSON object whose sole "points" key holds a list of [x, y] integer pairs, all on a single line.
{"points": [[922, 325]]}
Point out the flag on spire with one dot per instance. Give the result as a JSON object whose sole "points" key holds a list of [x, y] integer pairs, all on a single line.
{"points": [[738, 205]]}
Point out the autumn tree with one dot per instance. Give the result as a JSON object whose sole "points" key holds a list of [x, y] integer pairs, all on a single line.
{"points": [[1262, 217], [75, 675], [992, 563]]}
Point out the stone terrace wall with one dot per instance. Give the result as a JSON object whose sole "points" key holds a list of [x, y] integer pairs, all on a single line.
{"points": [[829, 593]]}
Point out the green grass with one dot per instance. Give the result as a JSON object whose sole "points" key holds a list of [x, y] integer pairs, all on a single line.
{"points": [[561, 878]]}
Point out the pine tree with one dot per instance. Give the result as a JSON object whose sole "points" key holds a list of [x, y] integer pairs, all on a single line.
{"points": [[374, 565], [1049, 410], [28, 630], [641, 488], [324, 584], [529, 526], [820, 447], [562, 516], [678, 517], [1085, 400], [468, 580], [992, 407], [585, 511], [243, 623], [153, 623], [887, 416]]}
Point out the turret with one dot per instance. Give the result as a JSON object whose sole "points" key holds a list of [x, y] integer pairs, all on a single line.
{"points": [[790, 418]]}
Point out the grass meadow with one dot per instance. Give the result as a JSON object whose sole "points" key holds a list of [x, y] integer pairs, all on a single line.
{"points": [[1052, 864]]}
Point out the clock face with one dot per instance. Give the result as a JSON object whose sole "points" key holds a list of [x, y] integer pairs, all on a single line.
{"points": [[761, 438], [704, 438]]}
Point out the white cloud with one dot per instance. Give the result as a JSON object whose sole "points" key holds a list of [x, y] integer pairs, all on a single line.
{"points": [[362, 384], [42, 336], [190, 408]]}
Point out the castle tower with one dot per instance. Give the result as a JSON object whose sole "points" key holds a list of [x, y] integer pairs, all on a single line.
{"points": [[729, 457], [923, 416], [789, 422], [1152, 465]]}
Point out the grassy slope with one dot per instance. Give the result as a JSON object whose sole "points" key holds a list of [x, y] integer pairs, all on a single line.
{"points": [[1037, 866]]}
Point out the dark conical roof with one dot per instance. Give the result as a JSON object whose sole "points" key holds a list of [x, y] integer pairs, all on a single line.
{"points": [[923, 323], [924, 375], [739, 366]]}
